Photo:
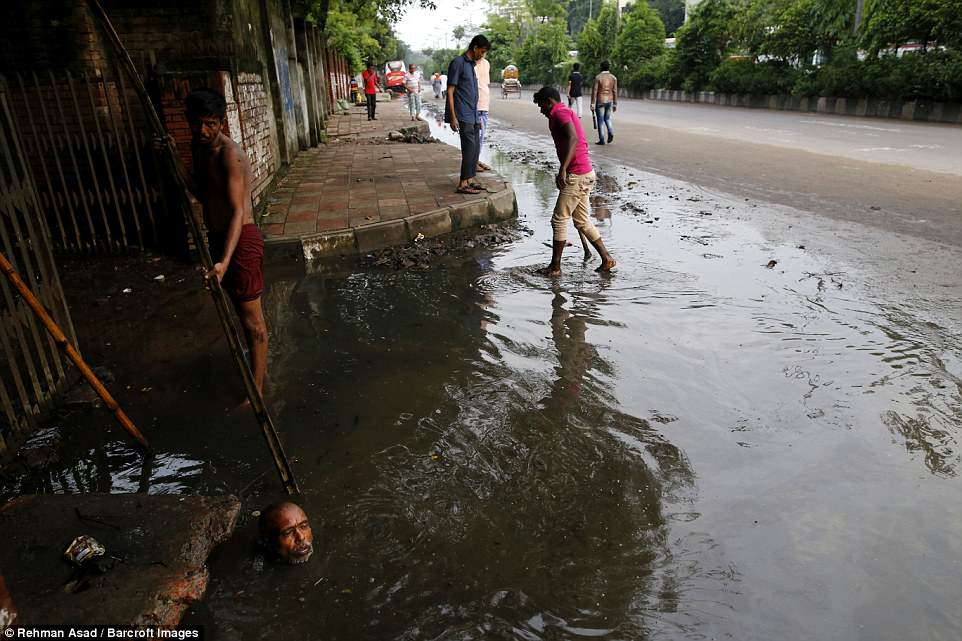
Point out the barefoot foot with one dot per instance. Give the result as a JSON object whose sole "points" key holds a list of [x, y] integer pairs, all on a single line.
{"points": [[606, 265], [550, 271]]}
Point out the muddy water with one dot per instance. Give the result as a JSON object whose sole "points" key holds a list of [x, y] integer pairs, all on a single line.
{"points": [[695, 447]]}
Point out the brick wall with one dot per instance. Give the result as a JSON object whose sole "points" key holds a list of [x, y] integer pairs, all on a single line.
{"points": [[251, 97], [248, 119]]}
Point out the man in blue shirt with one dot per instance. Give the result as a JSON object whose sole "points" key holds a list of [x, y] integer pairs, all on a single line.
{"points": [[462, 111]]}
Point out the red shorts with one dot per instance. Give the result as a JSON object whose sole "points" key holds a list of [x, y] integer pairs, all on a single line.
{"points": [[244, 279]]}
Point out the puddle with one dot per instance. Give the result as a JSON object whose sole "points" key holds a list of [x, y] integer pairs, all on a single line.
{"points": [[694, 447]]}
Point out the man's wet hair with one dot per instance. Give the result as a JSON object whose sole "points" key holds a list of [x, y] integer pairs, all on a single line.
{"points": [[205, 102], [577, 67], [479, 42], [545, 93], [605, 65], [264, 525]]}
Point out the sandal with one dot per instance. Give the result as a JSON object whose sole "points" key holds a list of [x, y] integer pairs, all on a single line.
{"points": [[467, 190]]}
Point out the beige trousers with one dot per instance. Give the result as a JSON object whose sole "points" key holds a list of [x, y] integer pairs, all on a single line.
{"points": [[573, 203]]}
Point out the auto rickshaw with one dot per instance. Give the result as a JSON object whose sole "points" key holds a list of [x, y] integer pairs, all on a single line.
{"points": [[510, 81]]}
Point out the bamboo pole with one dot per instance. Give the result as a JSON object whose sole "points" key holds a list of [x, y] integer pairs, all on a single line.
{"points": [[54, 330], [220, 299]]}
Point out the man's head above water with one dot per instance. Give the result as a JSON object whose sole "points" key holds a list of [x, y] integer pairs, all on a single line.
{"points": [[285, 533]]}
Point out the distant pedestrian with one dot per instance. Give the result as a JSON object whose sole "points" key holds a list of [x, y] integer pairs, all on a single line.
{"points": [[371, 88], [575, 82], [436, 85], [575, 179], [462, 111], [604, 100], [482, 69], [412, 82]]}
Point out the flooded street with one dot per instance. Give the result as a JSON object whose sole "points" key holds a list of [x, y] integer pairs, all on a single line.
{"points": [[751, 430]]}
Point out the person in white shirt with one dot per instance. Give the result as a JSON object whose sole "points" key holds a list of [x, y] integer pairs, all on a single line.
{"points": [[482, 68], [412, 82]]}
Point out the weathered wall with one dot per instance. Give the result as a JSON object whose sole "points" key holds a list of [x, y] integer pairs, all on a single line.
{"points": [[285, 116]]}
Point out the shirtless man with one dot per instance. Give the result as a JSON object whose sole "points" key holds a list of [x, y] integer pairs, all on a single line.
{"points": [[604, 100], [221, 181]]}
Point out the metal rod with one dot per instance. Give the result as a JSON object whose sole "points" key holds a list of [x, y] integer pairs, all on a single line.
{"points": [[70, 352], [110, 172], [133, 145], [220, 300], [73, 160], [56, 158], [112, 117], [90, 162]]}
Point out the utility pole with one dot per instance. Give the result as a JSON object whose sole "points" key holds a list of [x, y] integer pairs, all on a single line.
{"points": [[859, 6]]}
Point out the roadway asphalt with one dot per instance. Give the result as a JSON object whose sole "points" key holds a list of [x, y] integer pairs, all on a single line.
{"points": [[899, 176]]}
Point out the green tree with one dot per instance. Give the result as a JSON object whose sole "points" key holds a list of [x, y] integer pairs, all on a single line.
{"points": [[459, 34], [596, 40], [642, 37], [545, 10], [543, 49], [891, 23], [439, 59], [671, 12], [702, 42], [506, 38], [578, 14]]}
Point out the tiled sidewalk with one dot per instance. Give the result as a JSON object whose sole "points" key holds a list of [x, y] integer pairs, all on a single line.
{"points": [[390, 115], [350, 184]]}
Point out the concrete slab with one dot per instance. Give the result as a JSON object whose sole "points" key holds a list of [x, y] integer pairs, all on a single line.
{"points": [[161, 543]]}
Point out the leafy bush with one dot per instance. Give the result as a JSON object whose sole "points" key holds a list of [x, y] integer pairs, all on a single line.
{"points": [[936, 75], [747, 76], [651, 74]]}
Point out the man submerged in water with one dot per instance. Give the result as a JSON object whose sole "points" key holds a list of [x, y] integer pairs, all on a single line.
{"points": [[221, 180], [285, 534], [575, 179]]}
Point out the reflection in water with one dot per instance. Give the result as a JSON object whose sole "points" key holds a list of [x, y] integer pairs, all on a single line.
{"points": [[469, 508]]}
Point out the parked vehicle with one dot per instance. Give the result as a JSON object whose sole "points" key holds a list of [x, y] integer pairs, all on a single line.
{"points": [[394, 76]]}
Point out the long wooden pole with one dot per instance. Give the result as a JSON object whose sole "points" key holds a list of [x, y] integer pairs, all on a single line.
{"points": [[220, 300], [69, 350]]}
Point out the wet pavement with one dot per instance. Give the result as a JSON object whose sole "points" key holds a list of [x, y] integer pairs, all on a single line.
{"points": [[749, 431]]}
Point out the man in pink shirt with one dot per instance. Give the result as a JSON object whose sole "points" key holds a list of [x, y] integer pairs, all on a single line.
{"points": [[575, 179]]}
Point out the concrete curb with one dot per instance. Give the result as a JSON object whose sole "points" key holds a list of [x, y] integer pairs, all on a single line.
{"points": [[494, 208], [919, 111]]}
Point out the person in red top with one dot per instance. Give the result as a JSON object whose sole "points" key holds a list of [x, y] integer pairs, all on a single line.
{"points": [[575, 179], [371, 88]]}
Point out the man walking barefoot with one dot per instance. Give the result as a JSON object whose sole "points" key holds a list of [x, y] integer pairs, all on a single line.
{"points": [[221, 180], [575, 179]]}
